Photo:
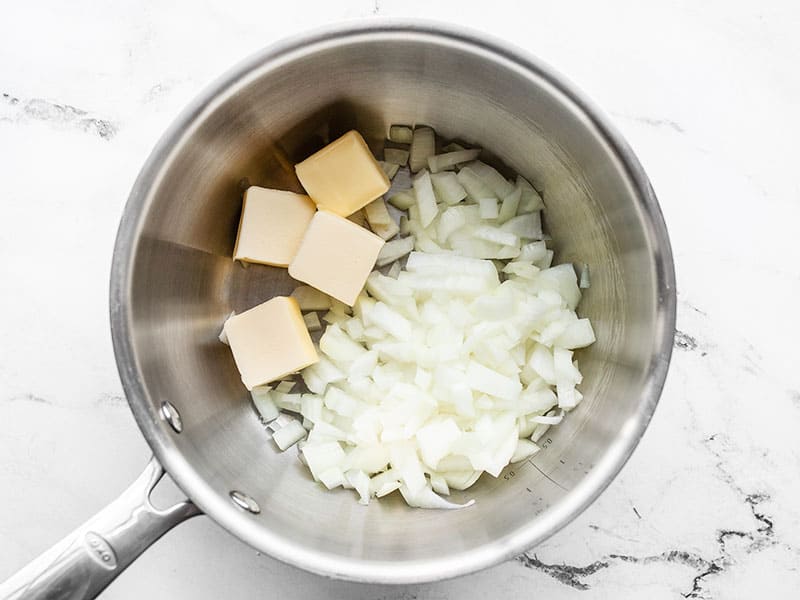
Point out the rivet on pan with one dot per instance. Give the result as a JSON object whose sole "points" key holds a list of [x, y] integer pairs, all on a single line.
{"points": [[171, 415], [245, 502]]}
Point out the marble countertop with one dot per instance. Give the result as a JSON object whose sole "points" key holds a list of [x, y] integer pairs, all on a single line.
{"points": [[706, 93]]}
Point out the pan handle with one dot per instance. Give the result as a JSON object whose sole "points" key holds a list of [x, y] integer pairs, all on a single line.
{"points": [[82, 564]]}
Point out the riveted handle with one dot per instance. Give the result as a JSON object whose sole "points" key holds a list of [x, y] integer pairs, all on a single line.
{"points": [[82, 564]]}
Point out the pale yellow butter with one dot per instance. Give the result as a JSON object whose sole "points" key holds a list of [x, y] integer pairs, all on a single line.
{"points": [[272, 224], [344, 176], [269, 341], [336, 256]]}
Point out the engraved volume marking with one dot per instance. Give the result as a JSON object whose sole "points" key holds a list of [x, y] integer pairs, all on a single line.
{"points": [[100, 550]]}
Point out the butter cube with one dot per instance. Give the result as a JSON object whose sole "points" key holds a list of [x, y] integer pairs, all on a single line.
{"points": [[273, 223], [270, 341], [336, 256], [344, 176]]}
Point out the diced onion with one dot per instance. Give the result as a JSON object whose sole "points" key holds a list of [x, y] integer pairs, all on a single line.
{"points": [[403, 200], [387, 231], [263, 403], [423, 145], [447, 188], [530, 200], [395, 156], [426, 200], [284, 387], [310, 298], [494, 180], [288, 435], [389, 168], [584, 279], [395, 249], [442, 162], [311, 320], [400, 134], [453, 365]]}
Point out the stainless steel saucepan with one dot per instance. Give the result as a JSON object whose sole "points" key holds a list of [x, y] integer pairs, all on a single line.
{"points": [[173, 283]]}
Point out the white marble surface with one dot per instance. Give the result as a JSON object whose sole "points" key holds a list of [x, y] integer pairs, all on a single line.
{"points": [[708, 95]]}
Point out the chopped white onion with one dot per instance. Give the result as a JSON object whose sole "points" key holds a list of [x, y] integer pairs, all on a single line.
{"points": [[311, 320], [377, 213], [395, 156], [403, 200], [401, 134], [423, 145], [447, 188], [263, 403], [530, 200], [488, 208], [584, 279], [395, 249], [387, 231], [453, 147], [489, 175], [476, 188], [288, 435], [284, 387], [426, 200], [442, 162], [390, 169], [310, 298]]}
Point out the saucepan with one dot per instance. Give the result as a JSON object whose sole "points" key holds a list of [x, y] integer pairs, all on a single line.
{"points": [[173, 283]]}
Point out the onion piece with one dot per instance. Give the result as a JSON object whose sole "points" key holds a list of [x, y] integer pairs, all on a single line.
{"points": [[499, 185], [533, 252], [359, 480], [395, 156], [290, 402], [426, 498], [263, 403], [495, 235], [488, 208], [388, 231], [423, 145], [322, 456], [390, 169], [400, 134], [584, 278], [288, 435], [395, 249], [377, 213], [525, 449], [550, 419], [310, 298], [530, 200], [311, 320], [426, 200], [527, 226], [442, 162], [510, 205], [284, 387], [453, 147], [447, 188], [403, 200], [476, 188]]}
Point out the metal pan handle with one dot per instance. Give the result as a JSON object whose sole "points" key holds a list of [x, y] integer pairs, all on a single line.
{"points": [[82, 564]]}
